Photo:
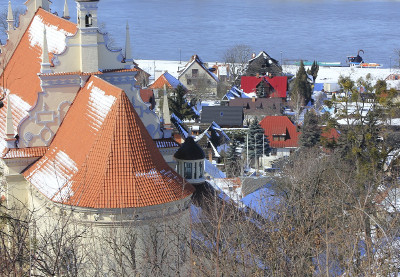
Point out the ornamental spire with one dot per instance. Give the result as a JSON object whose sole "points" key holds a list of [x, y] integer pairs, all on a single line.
{"points": [[128, 51], [45, 66], [10, 17], [66, 11], [166, 113]]}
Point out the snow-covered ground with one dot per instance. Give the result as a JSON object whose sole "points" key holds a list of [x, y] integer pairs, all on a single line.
{"points": [[332, 74], [325, 74]]}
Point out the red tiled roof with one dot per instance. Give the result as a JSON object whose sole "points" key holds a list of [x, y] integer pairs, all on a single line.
{"points": [[280, 125], [112, 163], [279, 83], [160, 82], [20, 75], [331, 134], [146, 95], [30, 152]]}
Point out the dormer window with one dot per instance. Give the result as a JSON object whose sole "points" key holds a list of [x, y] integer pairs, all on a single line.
{"points": [[88, 20]]}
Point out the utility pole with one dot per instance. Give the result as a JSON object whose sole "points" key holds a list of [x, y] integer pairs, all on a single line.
{"points": [[262, 159], [247, 152], [255, 154]]}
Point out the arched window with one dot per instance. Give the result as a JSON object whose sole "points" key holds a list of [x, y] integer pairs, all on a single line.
{"points": [[88, 20]]}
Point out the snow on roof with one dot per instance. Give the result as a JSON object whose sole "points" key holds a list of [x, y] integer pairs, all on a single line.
{"points": [[114, 164], [213, 171], [262, 201], [56, 36]]}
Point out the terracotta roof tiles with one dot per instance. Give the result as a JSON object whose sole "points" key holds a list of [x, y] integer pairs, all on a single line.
{"points": [[280, 126], [113, 163], [30, 152]]}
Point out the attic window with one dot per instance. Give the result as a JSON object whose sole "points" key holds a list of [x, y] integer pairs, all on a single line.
{"points": [[88, 20]]}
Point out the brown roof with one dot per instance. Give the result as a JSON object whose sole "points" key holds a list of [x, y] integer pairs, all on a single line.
{"points": [[147, 95], [112, 163], [266, 106]]}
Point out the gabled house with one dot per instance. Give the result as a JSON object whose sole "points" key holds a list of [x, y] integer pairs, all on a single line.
{"points": [[265, 87], [166, 80], [263, 64], [282, 135], [197, 77]]}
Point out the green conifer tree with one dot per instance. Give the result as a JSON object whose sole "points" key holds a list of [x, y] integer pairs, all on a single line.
{"points": [[233, 159], [311, 132], [313, 71], [179, 106], [301, 84], [255, 142]]}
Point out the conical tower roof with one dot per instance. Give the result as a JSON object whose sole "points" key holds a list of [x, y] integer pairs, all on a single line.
{"points": [[111, 163], [190, 150]]}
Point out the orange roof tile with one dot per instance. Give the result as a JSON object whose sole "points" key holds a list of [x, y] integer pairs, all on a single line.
{"points": [[112, 163], [280, 125], [160, 82], [30, 152]]}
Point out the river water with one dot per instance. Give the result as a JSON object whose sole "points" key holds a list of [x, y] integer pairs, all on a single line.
{"points": [[286, 29]]}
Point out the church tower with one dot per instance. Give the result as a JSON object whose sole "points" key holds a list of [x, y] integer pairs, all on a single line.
{"points": [[88, 29]]}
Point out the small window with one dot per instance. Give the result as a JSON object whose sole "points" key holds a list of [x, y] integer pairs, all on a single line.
{"points": [[195, 171], [189, 82], [201, 170], [88, 20], [274, 151], [188, 170], [195, 72]]}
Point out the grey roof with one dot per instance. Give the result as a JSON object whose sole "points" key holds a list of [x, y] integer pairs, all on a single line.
{"points": [[223, 115], [258, 106]]}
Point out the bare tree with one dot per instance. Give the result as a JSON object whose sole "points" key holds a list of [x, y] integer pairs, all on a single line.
{"points": [[296, 103], [237, 57], [17, 11]]}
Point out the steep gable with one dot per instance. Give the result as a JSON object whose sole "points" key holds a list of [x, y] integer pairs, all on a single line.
{"points": [[103, 157], [280, 127], [167, 80], [20, 76]]}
